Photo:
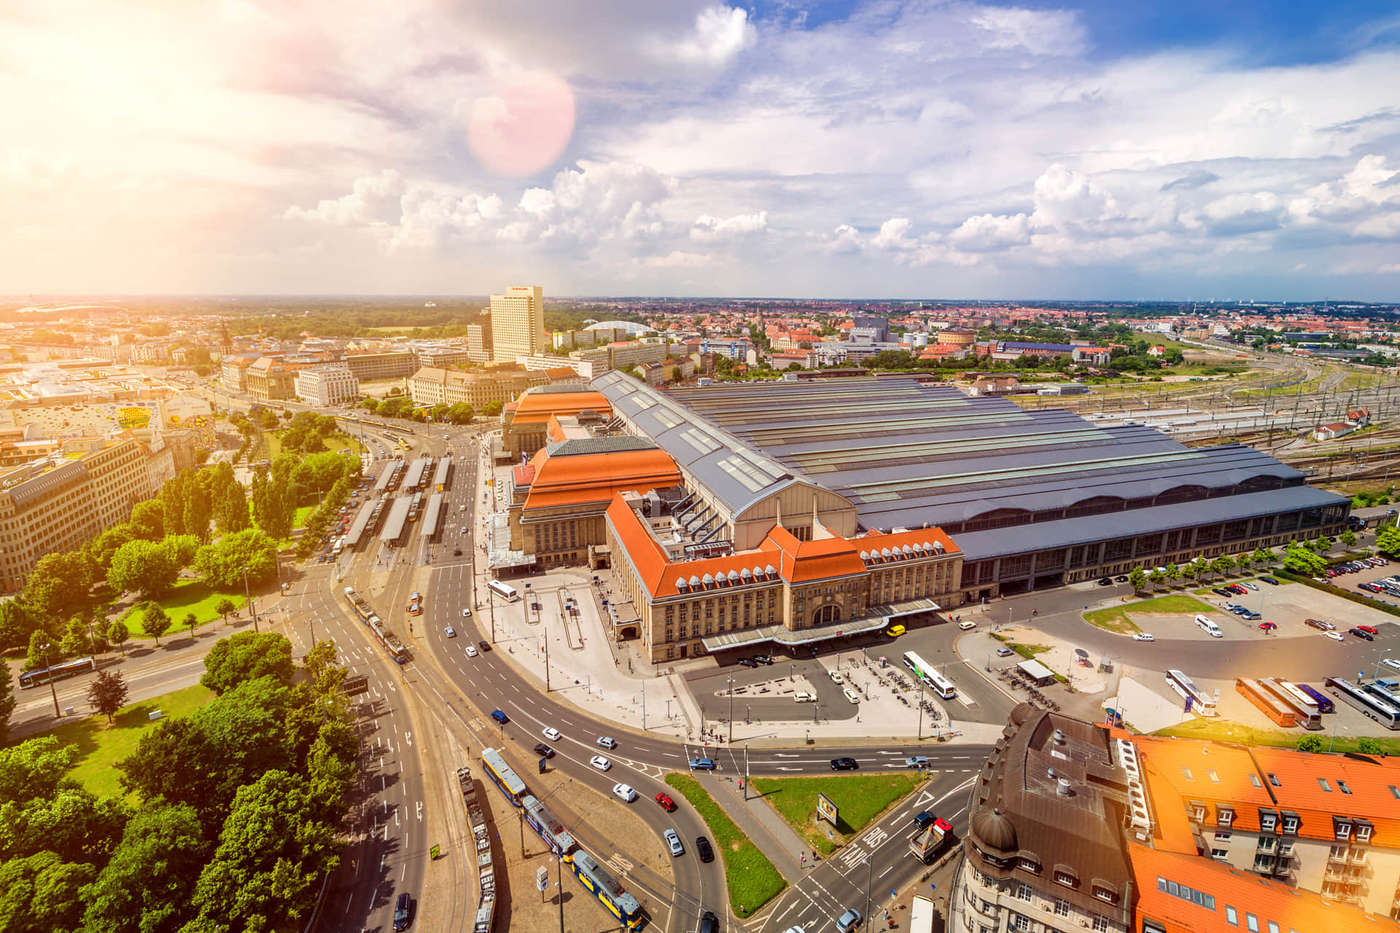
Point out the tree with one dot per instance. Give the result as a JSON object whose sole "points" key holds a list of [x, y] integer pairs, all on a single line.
{"points": [[1137, 577], [58, 585], [180, 549], [15, 624], [77, 639], [492, 408], [7, 701], [1388, 540], [107, 693], [34, 768], [1348, 537], [148, 520], [145, 887], [1369, 746], [1156, 577], [225, 608], [42, 893], [118, 633], [223, 563], [246, 656], [41, 651], [142, 566], [102, 547], [154, 620], [1173, 572], [198, 508], [1310, 743], [1263, 556], [1298, 559], [231, 510]]}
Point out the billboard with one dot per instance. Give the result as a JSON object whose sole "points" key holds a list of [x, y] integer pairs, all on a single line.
{"points": [[826, 809]]}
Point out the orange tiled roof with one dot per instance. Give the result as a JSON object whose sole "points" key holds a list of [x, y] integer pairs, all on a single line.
{"points": [[595, 478], [1290, 908], [537, 407]]}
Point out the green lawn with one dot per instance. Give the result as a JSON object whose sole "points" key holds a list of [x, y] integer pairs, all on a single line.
{"points": [[185, 597], [303, 512], [100, 746], [1117, 618], [751, 878], [1224, 731], [859, 798]]}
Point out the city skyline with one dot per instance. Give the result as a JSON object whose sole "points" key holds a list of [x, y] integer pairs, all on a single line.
{"points": [[845, 150]]}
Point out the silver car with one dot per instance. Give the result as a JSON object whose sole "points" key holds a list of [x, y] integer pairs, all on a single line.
{"points": [[674, 841]]}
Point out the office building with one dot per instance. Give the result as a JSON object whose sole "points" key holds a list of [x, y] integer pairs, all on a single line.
{"points": [[479, 340], [372, 367], [517, 323], [478, 388], [326, 385], [57, 503], [269, 380]]}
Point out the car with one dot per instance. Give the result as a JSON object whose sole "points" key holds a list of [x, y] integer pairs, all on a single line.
{"points": [[403, 908], [1250, 615], [551, 733], [450, 632], [849, 921], [1368, 629], [484, 645], [704, 849], [1240, 590], [835, 677], [1368, 587], [1004, 652], [543, 750], [916, 761], [456, 552], [747, 662], [967, 624], [1317, 624], [763, 659], [844, 764], [673, 842], [894, 631], [1359, 632], [500, 716], [923, 818], [471, 651], [702, 764], [802, 696], [605, 741], [1232, 607], [599, 762], [1270, 580], [1335, 636], [709, 923], [1221, 591], [666, 802], [415, 596], [1144, 636], [1250, 586], [624, 792], [1105, 581]]}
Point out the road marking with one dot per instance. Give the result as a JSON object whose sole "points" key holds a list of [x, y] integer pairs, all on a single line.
{"points": [[420, 811]]}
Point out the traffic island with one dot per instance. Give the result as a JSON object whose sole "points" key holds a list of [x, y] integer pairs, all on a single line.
{"points": [[751, 878], [858, 800], [1118, 619]]}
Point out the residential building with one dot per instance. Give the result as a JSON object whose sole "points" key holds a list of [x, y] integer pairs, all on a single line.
{"points": [[57, 503], [327, 385], [1045, 848], [479, 340], [517, 323], [233, 371]]}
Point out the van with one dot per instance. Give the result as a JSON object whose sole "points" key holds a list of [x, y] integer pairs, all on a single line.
{"points": [[802, 696], [1209, 627], [966, 624]]}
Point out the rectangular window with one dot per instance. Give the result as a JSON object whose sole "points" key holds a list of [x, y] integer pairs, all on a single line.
{"points": [[1343, 830], [1061, 907], [1066, 879], [1231, 917], [1342, 786], [1100, 924], [1251, 923], [1363, 833], [1290, 824], [1322, 782], [1273, 779], [1254, 779], [1023, 891]]}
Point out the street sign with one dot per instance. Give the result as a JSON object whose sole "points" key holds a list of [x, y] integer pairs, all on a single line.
{"points": [[826, 809]]}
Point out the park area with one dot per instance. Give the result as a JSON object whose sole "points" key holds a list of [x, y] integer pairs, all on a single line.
{"points": [[101, 746], [858, 798], [1118, 619], [751, 878], [188, 596]]}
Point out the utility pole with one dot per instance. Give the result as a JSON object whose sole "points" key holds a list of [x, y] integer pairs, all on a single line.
{"points": [[746, 772], [48, 662], [869, 870], [644, 706], [559, 882], [731, 710], [544, 631]]}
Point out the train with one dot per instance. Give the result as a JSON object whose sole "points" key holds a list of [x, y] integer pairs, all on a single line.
{"points": [[589, 871], [381, 631]]}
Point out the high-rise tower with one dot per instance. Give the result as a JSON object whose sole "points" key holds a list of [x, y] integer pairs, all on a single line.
{"points": [[517, 323]]}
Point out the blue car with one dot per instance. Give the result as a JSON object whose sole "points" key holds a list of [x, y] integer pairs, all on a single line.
{"points": [[500, 716], [702, 764]]}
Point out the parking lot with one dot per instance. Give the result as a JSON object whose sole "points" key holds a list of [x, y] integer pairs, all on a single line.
{"points": [[1289, 604]]}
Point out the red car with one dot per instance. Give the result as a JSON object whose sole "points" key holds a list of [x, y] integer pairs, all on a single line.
{"points": [[1368, 629], [666, 802]]}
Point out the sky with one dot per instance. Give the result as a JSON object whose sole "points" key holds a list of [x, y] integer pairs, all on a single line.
{"points": [[1188, 149]]}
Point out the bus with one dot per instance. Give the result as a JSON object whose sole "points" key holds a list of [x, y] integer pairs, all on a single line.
{"points": [[1387, 714], [1255, 692], [503, 776], [921, 915], [926, 672], [1197, 700], [57, 672], [1309, 716], [547, 826], [503, 590], [600, 882], [1321, 700]]}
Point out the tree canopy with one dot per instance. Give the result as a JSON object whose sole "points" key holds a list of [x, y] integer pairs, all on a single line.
{"points": [[247, 656]]}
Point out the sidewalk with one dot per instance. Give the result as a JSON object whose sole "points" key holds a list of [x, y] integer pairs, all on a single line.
{"points": [[762, 824]]}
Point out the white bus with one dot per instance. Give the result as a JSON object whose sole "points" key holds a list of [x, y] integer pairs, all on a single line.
{"points": [[921, 914], [928, 674], [504, 591], [1202, 703]]}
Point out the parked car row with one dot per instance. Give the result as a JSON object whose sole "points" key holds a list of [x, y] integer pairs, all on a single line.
{"points": [[1356, 566]]}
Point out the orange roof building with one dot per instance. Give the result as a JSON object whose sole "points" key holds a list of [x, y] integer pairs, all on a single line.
{"points": [[525, 422]]}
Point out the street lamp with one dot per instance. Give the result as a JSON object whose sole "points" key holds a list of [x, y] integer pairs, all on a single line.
{"points": [[48, 663], [731, 710]]}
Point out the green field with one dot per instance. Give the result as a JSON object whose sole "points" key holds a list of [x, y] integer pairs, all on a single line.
{"points": [[859, 798], [101, 746], [303, 512], [1246, 735], [752, 880], [1117, 618], [184, 597]]}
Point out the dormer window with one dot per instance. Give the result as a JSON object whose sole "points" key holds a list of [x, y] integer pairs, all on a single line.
{"points": [[1224, 816], [1030, 865], [1267, 822], [1066, 879], [1343, 829], [1290, 823], [1363, 832], [1105, 894]]}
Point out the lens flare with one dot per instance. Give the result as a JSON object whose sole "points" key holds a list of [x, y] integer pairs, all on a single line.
{"points": [[524, 128]]}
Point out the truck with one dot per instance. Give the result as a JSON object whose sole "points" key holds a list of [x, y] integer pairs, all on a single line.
{"points": [[929, 839]]}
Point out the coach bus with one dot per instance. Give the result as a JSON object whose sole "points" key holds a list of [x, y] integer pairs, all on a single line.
{"points": [[1309, 716], [57, 672], [503, 776], [1387, 714], [600, 882], [1202, 703], [1321, 700], [1255, 692], [503, 590]]}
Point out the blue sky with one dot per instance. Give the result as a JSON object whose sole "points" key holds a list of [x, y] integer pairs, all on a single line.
{"points": [[909, 148]]}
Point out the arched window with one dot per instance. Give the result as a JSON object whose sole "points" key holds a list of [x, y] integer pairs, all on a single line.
{"points": [[828, 613]]}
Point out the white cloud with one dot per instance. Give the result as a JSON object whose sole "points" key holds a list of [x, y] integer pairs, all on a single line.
{"points": [[707, 229], [678, 259], [720, 33], [987, 232], [1039, 32]]}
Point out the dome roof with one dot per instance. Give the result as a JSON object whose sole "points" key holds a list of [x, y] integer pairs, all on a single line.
{"points": [[994, 831]]}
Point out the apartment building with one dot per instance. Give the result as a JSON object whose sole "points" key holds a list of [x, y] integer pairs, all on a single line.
{"points": [[57, 503], [332, 384], [517, 323]]}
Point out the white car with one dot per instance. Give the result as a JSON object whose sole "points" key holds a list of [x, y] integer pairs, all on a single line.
{"points": [[599, 762], [1335, 636], [466, 613], [551, 733], [624, 792], [471, 651], [450, 631], [1144, 636], [1250, 586], [606, 741]]}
